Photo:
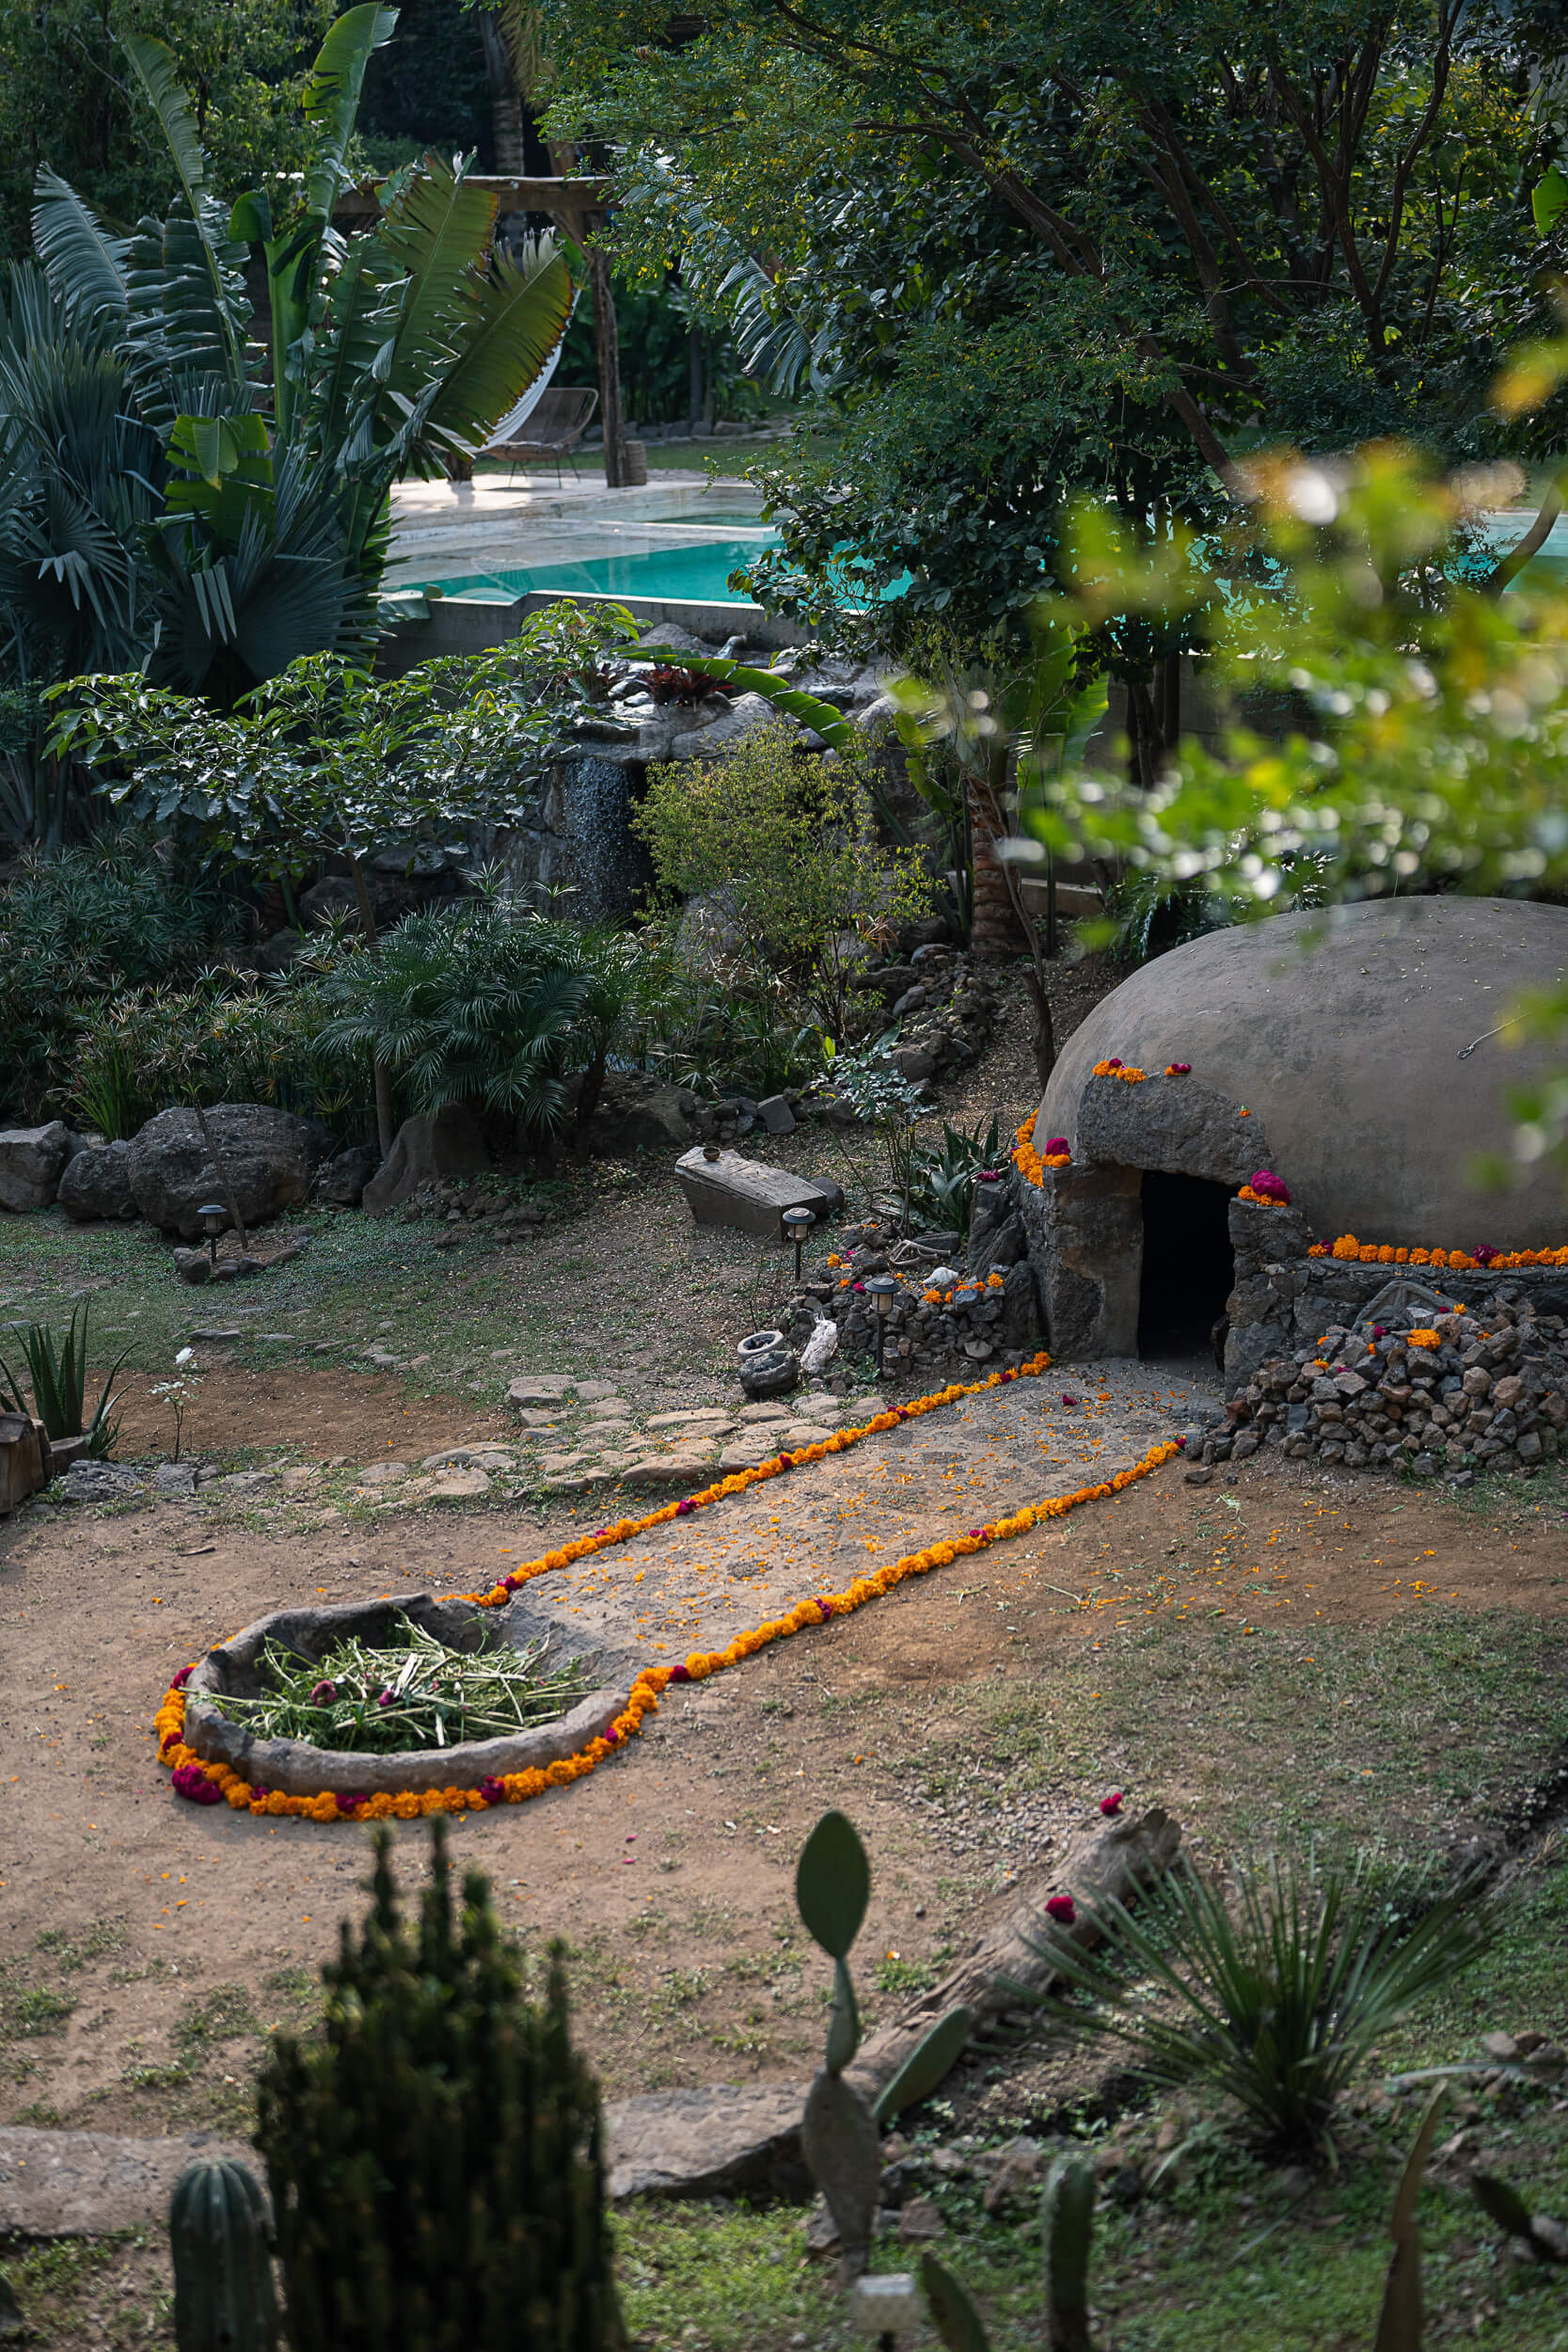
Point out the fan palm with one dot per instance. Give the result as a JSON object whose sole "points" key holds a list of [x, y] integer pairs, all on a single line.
{"points": [[171, 505]]}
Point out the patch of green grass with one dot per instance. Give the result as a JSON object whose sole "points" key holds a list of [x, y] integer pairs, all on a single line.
{"points": [[708, 2278], [101, 2290], [1438, 1715], [894, 1975], [35, 2010], [99, 1937]]}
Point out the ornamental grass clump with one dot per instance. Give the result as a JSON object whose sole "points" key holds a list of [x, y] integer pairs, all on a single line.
{"points": [[435, 2151], [410, 1693], [1272, 1990]]}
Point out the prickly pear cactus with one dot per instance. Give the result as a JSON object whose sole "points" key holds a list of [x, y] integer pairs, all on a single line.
{"points": [[223, 2299], [1069, 2218]]}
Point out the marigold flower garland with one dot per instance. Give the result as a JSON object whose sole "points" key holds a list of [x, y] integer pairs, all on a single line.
{"points": [[1483, 1259], [212, 1784]]}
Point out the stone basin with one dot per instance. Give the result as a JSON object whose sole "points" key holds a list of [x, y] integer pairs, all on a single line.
{"points": [[300, 1769]]}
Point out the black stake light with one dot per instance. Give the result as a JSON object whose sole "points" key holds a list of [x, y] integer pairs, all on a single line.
{"points": [[798, 1224], [215, 1217], [882, 1290]]}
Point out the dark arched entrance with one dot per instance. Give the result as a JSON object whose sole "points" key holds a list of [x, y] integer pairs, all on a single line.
{"points": [[1188, 1271]]}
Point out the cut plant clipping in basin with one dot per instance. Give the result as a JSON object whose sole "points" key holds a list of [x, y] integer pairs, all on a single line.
{"points": [[418, 1694]]}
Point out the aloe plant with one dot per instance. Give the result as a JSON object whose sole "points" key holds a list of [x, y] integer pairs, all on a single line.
{"points": [[58, 1372]]}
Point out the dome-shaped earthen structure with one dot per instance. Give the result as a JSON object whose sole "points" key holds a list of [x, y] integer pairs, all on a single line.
{"points": [[1344, 1035]]}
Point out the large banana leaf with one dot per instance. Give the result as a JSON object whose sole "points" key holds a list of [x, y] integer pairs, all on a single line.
{"points": [[516, 318], [84, 265], [207, 256], [436, 229], [176, 324], [332, 97]]}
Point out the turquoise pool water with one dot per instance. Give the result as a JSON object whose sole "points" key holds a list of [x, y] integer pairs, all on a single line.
{"points": [[697, 573]]}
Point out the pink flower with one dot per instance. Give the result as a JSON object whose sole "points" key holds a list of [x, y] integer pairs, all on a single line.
{"points": [[323, 1693], [1112, 1804], [1113, 1061], [491, 1789], [679, 1674], [350, 1800], [1178, 1068], [859, 1286], [1067, 1400], [192, 1783], [384, 1698], [1062, 1909], [682, 1508], [1485, 1252], [1265, 1181], [186, 1672], [1058, 1143]]}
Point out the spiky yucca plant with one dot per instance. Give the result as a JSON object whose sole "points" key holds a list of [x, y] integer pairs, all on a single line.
{"points": [[1273, 1990]]}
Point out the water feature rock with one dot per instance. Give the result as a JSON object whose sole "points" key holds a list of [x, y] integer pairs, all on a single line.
{"points": [[97, 1184]]}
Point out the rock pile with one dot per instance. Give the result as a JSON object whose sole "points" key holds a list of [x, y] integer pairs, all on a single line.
{"points": [[938, 1318], [1491, 1394], [944, 1009]]}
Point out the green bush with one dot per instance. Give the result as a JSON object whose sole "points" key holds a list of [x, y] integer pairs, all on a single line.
{"points": [[78, 930], [787, 846], [227, 1037], [494, 1006]]}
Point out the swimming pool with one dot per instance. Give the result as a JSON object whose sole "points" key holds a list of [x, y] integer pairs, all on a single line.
{"points": [[698, 573]]}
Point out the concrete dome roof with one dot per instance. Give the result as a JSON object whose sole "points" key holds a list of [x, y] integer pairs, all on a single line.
{"points": [[1340, 1033]]}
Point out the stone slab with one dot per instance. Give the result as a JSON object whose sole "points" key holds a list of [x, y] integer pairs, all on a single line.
{"points": [[86, 2184], [733, 1190], [725, 2140]]}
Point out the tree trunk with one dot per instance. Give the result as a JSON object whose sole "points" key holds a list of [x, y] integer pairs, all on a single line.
{"points": [[386, 1125], [693, 375], [607, 349], [506, 102]]}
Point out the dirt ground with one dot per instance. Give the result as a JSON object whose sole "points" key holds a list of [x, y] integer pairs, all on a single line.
{"points": [[320, 1413], [966, 1722]]}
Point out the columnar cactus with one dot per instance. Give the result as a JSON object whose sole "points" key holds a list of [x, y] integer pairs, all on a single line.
{"points": [[435, 2155], [223, 2299]]}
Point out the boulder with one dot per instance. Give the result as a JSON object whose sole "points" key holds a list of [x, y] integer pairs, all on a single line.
{"points": [[636, 1113], [426, 1147], [270, 1156], [22, 1466], [32, 1161], [97, 1184], [344, 1176], [745, 715]]}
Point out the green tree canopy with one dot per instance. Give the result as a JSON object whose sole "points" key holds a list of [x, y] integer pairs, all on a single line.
{"points": [[1043, 248]]}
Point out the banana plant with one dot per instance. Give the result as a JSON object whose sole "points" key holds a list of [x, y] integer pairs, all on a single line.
{"points": [[166, 507]]}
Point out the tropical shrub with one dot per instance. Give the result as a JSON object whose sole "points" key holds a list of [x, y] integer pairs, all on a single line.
{"points": [[58, 1369], [171, 506], [490, 1005], [77, 932], [787, 844], [228, 1037]]}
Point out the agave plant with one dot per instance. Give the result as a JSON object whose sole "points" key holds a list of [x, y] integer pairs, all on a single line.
{"points": [[1273, 1991], [170, 505]]}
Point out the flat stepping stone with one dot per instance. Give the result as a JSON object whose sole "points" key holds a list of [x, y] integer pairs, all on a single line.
{"points": [[372, 1475], [588, 1391], [538, 1388], [750, 1414], [671, 1469], [695, 1417], [459, 1485]]}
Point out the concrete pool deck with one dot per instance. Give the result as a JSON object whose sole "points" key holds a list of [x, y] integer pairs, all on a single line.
{"points": [[451, 530]]}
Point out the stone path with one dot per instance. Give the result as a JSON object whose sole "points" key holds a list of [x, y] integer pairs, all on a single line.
{"points": [[697, 1582]]}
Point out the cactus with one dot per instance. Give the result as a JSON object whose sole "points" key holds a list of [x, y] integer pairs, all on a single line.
{"points": [[223, 2299], [953, 2315], [838, 2134], [1069, 2218], [1542, 2233], [928, 2063], [435, 2153]]}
